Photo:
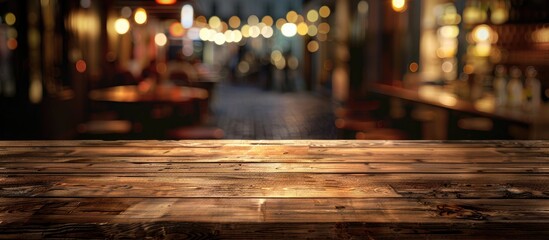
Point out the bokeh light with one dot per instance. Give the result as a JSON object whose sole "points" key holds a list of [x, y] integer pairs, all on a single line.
{"points": [[302, 29], [176, 30], [398, 5], [362, 7], [312, 15], [280, 22], [255, 31], [140, 16], [229, 36], [324, 28], [276, 56], [414, 67], [81, 66], [289, 29], [322, 37], [10, 18], [313, 46], [482, 33], [126, 12], [201, 20], [187, 16], [166, 2], [219, 38], [204, 34], [214, 22], [237, 36], [234, 22], [243, 67], [293, 63], [268, 20], [291, 16], [253, 20], [160, 39], [312, 31], [121, 26], [267, 32], [324, 11], [12, 44], [245, 30]]}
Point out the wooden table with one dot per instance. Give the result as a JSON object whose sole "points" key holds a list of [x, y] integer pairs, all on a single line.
{"points": [[156, 109], [536, 120], [144, 93], [274, 189]]}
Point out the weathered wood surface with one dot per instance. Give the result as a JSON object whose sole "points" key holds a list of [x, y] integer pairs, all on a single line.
{"points": [[274, 189]]}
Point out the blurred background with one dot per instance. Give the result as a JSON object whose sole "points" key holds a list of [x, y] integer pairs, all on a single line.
{"points": [[274, 69]]}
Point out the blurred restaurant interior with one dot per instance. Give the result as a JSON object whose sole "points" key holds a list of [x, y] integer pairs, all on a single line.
{"points": [[274, 69]]}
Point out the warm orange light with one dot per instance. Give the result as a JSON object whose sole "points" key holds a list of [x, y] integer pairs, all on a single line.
{"points": [[81, 66], [399, 5], [324, 28], [292, 16], [201, 19], [166, 2], [234, 22], [302, 29], [176, 30], [12, 44], [324, 11], [313, 46], [10, 18], [268, 20], [414, 67], [140, 16], [280, 22], [482, 33]]}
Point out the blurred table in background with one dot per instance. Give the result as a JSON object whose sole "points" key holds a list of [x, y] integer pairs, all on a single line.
{"points": [[154, 109], [154, 94], [482, 115]]}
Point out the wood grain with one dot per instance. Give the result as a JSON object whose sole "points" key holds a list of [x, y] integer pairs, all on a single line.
{"points": [[239, 189]]}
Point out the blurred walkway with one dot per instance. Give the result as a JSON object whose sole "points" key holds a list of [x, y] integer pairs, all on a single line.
{"points": [[245, 112]]}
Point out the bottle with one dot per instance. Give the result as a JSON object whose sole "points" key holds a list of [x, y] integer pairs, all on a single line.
{"points": [[500, 84], [514, 88], [532, 89]]}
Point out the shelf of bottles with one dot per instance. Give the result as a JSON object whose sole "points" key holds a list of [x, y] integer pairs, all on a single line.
{"points": [[507, 53]]}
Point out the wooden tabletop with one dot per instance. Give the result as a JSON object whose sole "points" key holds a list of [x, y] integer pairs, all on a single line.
{"points": [[147, 93], [228, 189]]}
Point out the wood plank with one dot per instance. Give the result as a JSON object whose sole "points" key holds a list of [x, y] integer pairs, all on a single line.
{"points": [[310, 158], [336, 230], [311, 143], [275, 150], [278, 185], [98, 167], [234, 210]]}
